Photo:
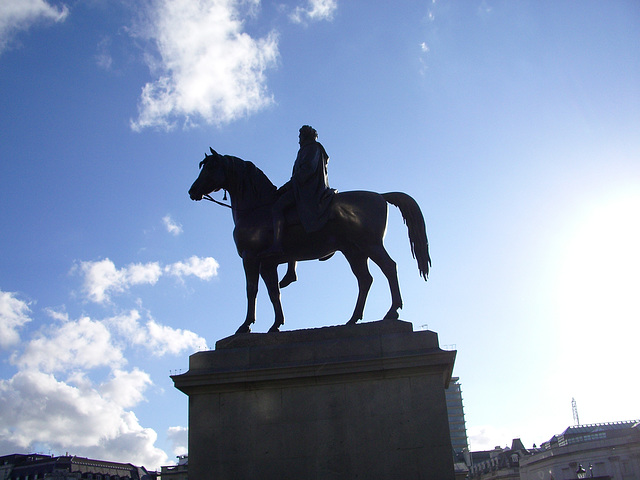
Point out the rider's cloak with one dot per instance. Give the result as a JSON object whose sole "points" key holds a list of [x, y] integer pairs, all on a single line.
{"points": [[310, 184]]}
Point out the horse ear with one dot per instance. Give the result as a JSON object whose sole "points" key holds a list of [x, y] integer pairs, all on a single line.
{"points": [[213, 152]]}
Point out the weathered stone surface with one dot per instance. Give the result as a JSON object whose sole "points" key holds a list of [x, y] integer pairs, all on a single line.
{"points": [[364, 401]]}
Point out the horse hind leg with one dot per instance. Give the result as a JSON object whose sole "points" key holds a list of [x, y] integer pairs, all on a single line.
{"points": [[389, 269], [360, 269], [269, 274]]}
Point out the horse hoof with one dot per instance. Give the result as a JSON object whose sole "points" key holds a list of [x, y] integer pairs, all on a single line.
{"points": [[274, 329], [353, 321], [391, 315], [243, 329]]}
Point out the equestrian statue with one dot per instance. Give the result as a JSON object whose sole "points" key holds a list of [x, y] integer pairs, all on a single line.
{"points": [[305, 220]]}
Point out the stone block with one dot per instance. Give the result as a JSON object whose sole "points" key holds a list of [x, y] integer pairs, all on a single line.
{"points": [[351, 402]]}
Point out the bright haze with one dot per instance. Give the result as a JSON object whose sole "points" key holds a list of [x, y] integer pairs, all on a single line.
{"points": [[514, 124]]}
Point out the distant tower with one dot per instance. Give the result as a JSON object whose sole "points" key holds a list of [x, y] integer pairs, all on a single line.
{"points": [[457, 427], [574, 407]]}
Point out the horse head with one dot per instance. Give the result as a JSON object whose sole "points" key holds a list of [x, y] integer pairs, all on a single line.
{"points": [[212, 176]]}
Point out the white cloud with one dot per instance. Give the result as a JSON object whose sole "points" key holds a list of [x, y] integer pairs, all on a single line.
{"points": [[487, 437], [103, 57], [208, 68], [126, 325], [137, 273], [315, 10], [159, 339], [172, 227], [84, 413], [82, 344], [179, 438], [103, 278], [203, 268], [13, 315], [36, 408], [164, 339], [73, 390], [126, 388], [16, 15]]}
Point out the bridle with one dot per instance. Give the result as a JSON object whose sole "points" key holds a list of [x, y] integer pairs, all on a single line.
{"points": [[211, 199], [207, 196]]}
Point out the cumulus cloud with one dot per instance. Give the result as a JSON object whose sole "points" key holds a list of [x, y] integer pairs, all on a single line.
{"points": [[172, 227], [84, 343], [16, 15], [315, 10], [179, 438], [37, 408], [157, 338], [102, 278], [14, 313], [207, 67], [73, 388], [203, 268], [73, 392], [126, 388], [164, 339]]}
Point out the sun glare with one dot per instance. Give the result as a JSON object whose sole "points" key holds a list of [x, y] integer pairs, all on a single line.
{"points": [[598, 286]]}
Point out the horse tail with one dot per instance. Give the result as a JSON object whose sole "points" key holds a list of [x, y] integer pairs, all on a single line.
{"points": [[413, 219]]}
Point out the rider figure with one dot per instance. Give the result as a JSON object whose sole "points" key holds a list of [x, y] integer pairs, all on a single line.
{"points": [[308, 189]]}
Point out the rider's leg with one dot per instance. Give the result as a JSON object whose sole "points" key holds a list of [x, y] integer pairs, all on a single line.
{"points": [[290, 276], [277, 211]]}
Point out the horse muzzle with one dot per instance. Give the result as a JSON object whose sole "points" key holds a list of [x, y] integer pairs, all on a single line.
{"points": [[195, 195]]}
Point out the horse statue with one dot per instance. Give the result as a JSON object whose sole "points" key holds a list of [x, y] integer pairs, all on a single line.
{"points": [[356, 228]]}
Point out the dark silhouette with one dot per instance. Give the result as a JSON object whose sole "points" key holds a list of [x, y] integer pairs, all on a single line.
{"points": [[355, 225], [308, 190]]}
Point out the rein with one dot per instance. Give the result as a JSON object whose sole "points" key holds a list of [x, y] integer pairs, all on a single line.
{"points": [[211, 199]]}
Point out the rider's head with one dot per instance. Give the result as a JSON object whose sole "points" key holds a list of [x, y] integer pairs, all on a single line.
{"points": [[307, 134]]}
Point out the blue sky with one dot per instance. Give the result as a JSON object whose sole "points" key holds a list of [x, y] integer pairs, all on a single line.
{"points": [[514, 125]]}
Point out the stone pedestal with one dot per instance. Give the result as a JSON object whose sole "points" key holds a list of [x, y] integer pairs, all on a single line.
{"points": [[365, 401]]}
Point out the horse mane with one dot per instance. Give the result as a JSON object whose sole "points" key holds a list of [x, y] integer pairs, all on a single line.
{"points": [[249, 181]]}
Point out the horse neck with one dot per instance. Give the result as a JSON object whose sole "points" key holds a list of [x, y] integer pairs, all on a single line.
{"points": [[248, 187]]}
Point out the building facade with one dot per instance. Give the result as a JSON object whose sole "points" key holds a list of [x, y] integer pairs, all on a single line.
{"points": [[457, 428], [455, 411], [176, 472], [605, 451], [500, 463], [36, 467]]}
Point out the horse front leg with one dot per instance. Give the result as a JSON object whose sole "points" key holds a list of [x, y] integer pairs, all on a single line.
{"points": [[251, 273], [269, 274]]}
